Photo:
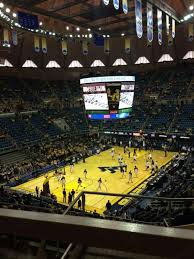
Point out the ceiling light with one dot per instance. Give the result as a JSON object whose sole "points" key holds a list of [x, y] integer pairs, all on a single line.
{"points": [[191, 7], [108, 36], [77, 29], [40, 23], [100, 29], [89, 29], [90, 35], [67, 28], [122, 34], [14, 15], [71, 36], [7, 10], [1, 5]]}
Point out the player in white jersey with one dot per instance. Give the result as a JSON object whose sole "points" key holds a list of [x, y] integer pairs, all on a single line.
{"points": [[71, 167], [120, 159], [63, 181], [150, 156], [136, 171], [112, 153]]}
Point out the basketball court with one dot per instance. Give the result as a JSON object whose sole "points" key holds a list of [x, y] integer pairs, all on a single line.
{"points": [[104, 167]]}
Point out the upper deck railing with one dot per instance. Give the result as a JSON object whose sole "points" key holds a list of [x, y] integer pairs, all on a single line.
{"points": [[91, 232]]}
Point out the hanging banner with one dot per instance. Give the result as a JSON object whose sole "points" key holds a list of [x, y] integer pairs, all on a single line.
{"points": [[116, 4], [85, 47], [167, 24], [138, 14], [190, 31], [15, 38], [106, 46], [173, 28], [127, 45], [159, 17], [44, 45], [170, 39], [36, 44], [149, 22], [125, 6], [64, 47], [6, 38], [106, 2]]}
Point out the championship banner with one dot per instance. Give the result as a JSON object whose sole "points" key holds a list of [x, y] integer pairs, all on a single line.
{"points": [[15, 38], [167, 24], [106, 2], [116, 4], [6, 38], [85, 47], [159, 17], [44, 45], [173, 28], [36, 44], [127, 45], [149, 22], [64, 47], [138, 14], [125, 6]]}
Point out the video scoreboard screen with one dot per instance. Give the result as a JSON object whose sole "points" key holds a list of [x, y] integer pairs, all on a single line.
{"points": [[109, 97]]}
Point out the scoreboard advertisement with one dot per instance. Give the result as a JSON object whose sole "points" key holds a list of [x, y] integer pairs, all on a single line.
{"points": [[109, 97]]}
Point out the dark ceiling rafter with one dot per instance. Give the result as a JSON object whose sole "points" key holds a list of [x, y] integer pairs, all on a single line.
{"points": [[68, 5], [43, 12], [36, 2]]}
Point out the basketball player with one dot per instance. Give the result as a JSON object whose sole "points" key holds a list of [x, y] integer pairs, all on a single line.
{"points": [[125, 166], [112, 153], [150, 156], [99, 183], [71, 167], [59, 176], [156, 166], [129, 153], [134, 158], [79, 183], [123, 172], [85, 173], [63, 181], [153, 164], [119, 159], [130, 177], [136, 171], [147, 165]]}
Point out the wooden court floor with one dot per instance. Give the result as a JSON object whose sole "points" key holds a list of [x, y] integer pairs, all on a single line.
{"points": [[100, 166]]}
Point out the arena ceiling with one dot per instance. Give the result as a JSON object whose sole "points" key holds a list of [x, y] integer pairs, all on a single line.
{"points": [[56, 15]]}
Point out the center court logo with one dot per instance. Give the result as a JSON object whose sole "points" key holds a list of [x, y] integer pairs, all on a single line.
{"points": [[109, 169]]}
